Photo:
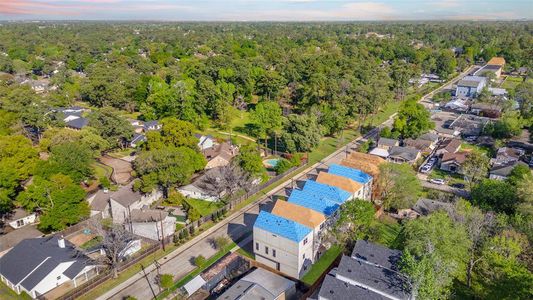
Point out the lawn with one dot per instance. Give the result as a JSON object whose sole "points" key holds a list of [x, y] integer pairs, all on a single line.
{"points": [[486, 150], [388, 230], [318, 268], [121, 153], [511, 82], [450, 178], [101, 170], [8, 294], [243, 252], [328, 145], [204, 207], [383, 114]]}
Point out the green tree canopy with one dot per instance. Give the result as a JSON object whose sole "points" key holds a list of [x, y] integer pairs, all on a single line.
{"points": [[301, 133], [249, 159], [399, 186], [413, 119], [111, 126], [495, 195], [70, 158]]}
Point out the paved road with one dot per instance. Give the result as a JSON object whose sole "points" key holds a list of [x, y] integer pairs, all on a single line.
{"points": [[180, 262]]}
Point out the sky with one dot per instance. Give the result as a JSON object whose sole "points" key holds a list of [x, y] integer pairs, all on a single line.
{"points": [[265, 10]]}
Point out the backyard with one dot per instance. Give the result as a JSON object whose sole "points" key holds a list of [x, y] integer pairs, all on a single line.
{"points": [[323, 263], [204, 207]]}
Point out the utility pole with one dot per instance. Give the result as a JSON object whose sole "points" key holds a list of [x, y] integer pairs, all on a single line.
{"points": [[162, 232], [149, 283]]}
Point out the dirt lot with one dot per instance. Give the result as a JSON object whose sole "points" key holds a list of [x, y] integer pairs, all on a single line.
{"points": [[121, 169]]}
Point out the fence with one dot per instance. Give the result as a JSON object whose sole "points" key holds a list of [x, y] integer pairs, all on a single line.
{"points": [[107, 274], [233, 203]]}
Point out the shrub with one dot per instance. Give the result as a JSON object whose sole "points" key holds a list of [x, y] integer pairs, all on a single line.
{"points": [[282, 166], [166, 281], [199, 261], [104, 182], [221, 242]]}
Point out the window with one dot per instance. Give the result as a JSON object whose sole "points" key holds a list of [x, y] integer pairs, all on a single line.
{"points": [[305, 241], [58, 277], [303, 256], [266, 249], [20, 223], [274, 252], [256, 246]]}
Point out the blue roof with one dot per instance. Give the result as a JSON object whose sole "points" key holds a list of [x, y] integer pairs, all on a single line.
{"points": [[353, 174], [321, 204], [334, 193], [278, 225]]}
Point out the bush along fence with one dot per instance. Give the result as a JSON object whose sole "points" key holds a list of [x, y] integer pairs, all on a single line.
{"points": [[180, 236]]}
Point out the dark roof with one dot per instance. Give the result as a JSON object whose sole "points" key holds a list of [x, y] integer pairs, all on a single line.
{"points": [[419, 144], [458, 157], [469, 83], [381, 279], [376, 254], [149, 124], [429, 137], [137, 137], [387, 142], [17, 213], [336, 289], [125, 196], [14, 237], [100, 200], [426, 206], [78, 123], [506, 169], [32, 259], [407, 153]]}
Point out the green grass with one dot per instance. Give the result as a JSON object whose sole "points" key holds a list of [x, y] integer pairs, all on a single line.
{"points": [[246, 253], [388, 230], [89, 244], [383, 114], [8, 294], [485, 150], [328, 145], [204, 207], [101, 170], [511, 82], [216, 134], [318, 268], [121, 153], [240, 121]]}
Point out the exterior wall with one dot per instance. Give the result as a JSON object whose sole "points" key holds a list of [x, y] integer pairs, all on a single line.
{"points": [[289, 257], [119, 213], [497, 177], [152, 230], [450, 167], [208, 143], [217, 161], [29, 219], [52, 280]]}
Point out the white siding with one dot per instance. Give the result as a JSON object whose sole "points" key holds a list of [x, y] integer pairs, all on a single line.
{"points": [[152, 230], [52, 280]]}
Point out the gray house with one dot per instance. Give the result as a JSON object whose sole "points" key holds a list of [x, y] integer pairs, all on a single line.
{"points": [[261, 284], [470, 86], [400, 155]]}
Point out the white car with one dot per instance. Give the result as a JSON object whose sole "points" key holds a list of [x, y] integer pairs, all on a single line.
{"points": [[425, 169], [437, 181]]}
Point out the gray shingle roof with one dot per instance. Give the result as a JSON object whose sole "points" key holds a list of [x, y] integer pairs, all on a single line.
{"points": [[125, 196], [380, 279], [78, 123], [335, 289], [407, 153], [387, 142], [33, 259], [505, 170], [376, 254], [426, 206]]}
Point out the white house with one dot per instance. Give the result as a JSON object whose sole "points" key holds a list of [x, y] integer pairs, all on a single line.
{"points": [[205, 141], [283, 244], [151, 223], [36, 266], [470, 86], [20, 218]]}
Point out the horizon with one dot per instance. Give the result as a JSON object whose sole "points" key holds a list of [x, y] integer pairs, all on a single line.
{"points": [[264, 11]]}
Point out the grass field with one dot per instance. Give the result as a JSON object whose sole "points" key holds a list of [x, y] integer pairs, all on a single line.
{"points": [[101, 170], [121, 153], [328, 145], [388, 230], [511, 82], [8, 294], [204, 207], [318, 268]]}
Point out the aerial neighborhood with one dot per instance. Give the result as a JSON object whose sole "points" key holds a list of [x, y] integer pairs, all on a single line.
{"points": [[322, 161]]}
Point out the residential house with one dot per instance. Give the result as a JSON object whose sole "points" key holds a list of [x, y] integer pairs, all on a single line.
{"points": [[19, 218], [486, 110], [371, 272], [261, 284], [138, 138], [77, 123], [469, 125], [14, 237], [119, 205], [39, 86], [507, 155], [332, 192], [386, 143], [355, 175], [152, 125], [495, 65], [501, 172], [452, 162], [498, 92], [423, 145], [470, 86], [36, 266], [151, 223], [282, 244], [316, 202], [220, 155], [458, 105], [205, 141], [138, 125], [448, 146], [224, 269], [355, 188], [424, 206], [380, 152], [432, 137], [404, 155], [199, 188]]}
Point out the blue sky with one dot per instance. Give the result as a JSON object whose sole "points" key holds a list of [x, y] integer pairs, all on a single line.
{"points": [[269, 10]]}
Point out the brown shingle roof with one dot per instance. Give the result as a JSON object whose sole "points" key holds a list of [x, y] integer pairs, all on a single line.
{"points": [[297, 213], [367, 157], [459, 157], [148, 215], [499, 61], [451, 145], [365, 166], [339, 181]]}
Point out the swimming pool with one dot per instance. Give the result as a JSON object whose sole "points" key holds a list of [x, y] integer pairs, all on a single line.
{"points": [[271, 163]]}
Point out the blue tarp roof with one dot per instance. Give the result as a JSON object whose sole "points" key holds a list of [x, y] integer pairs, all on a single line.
{"points": [[281, 226], [321, 204], [353, 174], [334, 193]]}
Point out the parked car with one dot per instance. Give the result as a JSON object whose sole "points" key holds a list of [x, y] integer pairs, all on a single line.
{"points": [[425, 169], [432, 160], [470, 139], [437, 181], [458, 185]]}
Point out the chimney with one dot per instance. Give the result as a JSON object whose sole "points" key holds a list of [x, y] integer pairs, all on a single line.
{"points": [[106, 190], [61, 242]]}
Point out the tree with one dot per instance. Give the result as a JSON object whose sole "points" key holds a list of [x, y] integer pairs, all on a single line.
{"points": [[250, 161], [475, 168], [178, 133], [60, 199], [221, 242], [509, 125], [301, 133], [282, 166], [524, 191], [111, 126], [496, 195], [166, 281], [226, 181], [355, 221], [435, 251], [167, 167], [524, 97], [518, 173], [446, 64], [399, 186], [267, 118], [413, 119], [200, 261], [70, 158], [115, 243]]}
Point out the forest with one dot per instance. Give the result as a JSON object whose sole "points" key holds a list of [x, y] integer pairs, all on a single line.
{"points": [[295, 83]]}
